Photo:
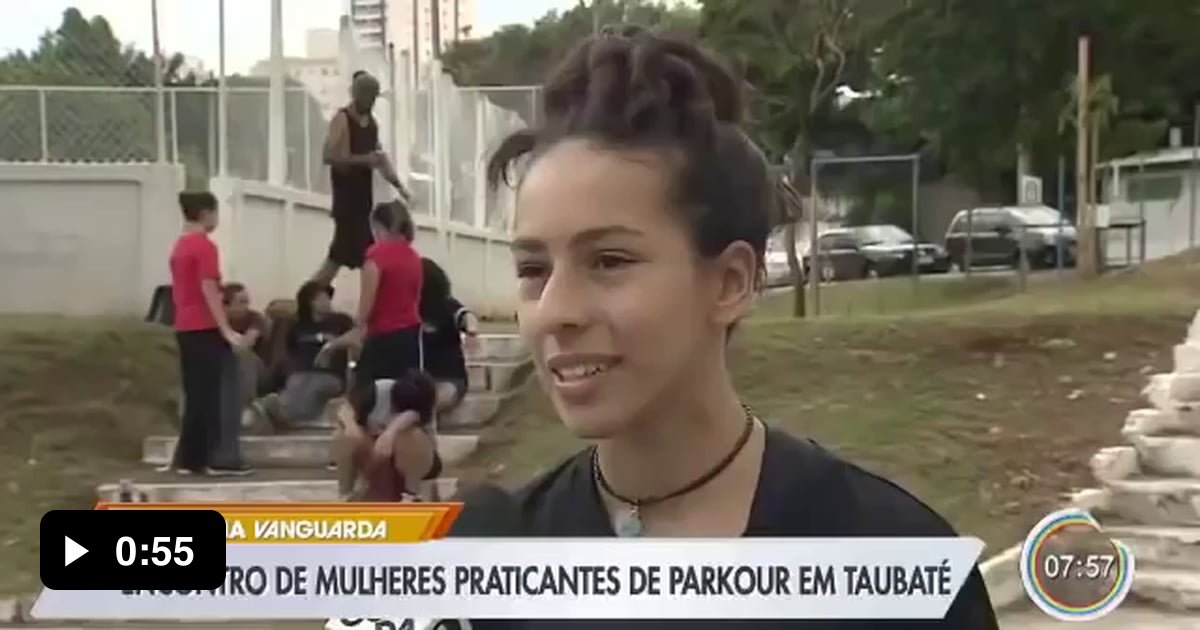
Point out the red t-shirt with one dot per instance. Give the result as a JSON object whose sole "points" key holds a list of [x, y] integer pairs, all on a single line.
{"points": [[193, 260], [398, 298]]}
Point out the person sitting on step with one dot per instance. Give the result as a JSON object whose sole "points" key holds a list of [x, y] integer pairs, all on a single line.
{"points": [[310, 384], [253, 327], [446, 326], [384, 447]]}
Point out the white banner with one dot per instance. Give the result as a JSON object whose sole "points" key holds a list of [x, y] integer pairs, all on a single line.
{"points": [[740, 578]]}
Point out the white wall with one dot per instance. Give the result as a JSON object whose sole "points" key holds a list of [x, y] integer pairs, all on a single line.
{"points": [[94, 239], [273, 238], [85, 238]]}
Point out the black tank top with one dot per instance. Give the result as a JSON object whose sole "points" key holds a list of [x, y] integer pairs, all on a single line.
{"points": [[352, 186]]}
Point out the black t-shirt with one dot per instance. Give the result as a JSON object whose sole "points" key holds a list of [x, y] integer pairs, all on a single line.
{"points": [[803, 490], [305, 340], [441, 335]]}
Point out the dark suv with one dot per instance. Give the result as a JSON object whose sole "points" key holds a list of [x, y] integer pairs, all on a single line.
{"points": [[874, 250], [992, 236]]}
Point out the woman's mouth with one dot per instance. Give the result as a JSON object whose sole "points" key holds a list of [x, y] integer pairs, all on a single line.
{"points": [[578, 372], [577, 378]]}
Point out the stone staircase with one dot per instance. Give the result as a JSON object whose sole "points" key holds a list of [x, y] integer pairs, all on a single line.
{"points": [[1148, 495], [293, 466]]}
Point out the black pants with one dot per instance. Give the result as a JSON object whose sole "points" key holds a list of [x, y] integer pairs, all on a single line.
{"points": [[389, 355], [202, 357]]}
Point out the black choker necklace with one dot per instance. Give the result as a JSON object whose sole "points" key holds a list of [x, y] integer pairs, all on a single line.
{"points": [[630, 525]]}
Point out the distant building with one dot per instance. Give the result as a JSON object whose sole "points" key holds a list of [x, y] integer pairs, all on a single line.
{"points": [[321, 43], [382, 22], [1161, 187], [319, 72]]}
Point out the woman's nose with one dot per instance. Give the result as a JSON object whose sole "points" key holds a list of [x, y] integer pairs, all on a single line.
{"points": [[564, 302]]}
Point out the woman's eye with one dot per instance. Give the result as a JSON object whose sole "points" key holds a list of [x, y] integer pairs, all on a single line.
{"points": [[530, 270], [609, 261]]}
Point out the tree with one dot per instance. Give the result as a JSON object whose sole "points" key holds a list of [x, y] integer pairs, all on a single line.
{"points": [[520, 55], [119, 125], [795, 56], [82, 52], [975, 80]]}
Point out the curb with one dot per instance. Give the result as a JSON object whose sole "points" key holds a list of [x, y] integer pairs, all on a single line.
{"points": [[1002, 576], [15, 610]]}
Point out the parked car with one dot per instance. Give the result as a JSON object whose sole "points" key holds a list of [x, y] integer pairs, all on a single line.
{"points": [[995, 236], [869, 251]]}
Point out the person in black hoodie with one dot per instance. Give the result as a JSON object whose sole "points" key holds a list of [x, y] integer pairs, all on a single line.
{"points": [[445, 322], [641, 220]]}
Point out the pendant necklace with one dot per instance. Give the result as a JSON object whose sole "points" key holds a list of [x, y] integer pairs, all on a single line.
{"points": [[629, 524]]}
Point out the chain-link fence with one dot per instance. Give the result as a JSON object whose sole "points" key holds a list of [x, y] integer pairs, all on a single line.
{"points": [[119, 125], [86, 95]]}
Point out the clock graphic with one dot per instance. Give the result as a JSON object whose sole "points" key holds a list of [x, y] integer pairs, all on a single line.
{"points": [[1072, 570]]}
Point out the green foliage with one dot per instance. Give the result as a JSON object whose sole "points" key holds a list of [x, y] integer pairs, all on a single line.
{"points": [[972, 80], [520, 55]]}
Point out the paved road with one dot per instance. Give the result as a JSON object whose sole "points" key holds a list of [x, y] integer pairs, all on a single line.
{"points": [[1131, 618]]}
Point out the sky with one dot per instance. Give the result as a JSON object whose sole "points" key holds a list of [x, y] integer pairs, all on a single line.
{"points": [[190, 26]]}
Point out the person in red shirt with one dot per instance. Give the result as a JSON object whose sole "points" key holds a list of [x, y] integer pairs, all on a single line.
{"points": [[389, 320], [203, 333]]}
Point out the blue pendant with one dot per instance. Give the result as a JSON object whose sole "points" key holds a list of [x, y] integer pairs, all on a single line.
{"points": [[630, 525]]}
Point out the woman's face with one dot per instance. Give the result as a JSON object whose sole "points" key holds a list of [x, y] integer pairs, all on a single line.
{"points": [[614, 302], [321, 303], [238, 305]]}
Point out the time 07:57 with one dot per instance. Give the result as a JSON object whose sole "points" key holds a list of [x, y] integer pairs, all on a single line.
{"points": [[1090, 567]]}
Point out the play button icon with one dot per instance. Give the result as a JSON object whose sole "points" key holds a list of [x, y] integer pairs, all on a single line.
{"points": [[72, 551]]}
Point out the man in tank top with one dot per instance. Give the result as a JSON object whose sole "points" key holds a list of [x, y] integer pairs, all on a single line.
{"points": [[353, 153]]}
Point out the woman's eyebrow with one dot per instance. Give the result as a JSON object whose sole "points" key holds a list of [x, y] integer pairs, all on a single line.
{"points": [[590, 235]]}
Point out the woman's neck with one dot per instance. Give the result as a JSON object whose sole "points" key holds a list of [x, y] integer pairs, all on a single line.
{"points": [[679, 439]]}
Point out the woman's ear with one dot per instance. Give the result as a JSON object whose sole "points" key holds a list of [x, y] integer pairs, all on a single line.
{"points": [[736, 282]]}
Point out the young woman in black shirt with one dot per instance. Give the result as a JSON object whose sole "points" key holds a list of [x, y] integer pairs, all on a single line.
{"points": [[641, 223], [445, 321]]}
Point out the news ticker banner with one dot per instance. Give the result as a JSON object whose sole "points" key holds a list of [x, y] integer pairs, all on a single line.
{"points": [[386, 561]]}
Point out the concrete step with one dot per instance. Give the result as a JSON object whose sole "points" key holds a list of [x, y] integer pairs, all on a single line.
{"points": [[1160, 547], [500, 347], [1173, 387], [1166, 391], [1187, 357], [478, 409], [496, 376], [1115, 462], [1175, 589], [248, 489], [1168, 456], [1156, 501], [298, 450], [1176, 419]]}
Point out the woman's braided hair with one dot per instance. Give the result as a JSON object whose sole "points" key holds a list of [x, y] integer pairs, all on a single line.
{"points": [[627, 88]]}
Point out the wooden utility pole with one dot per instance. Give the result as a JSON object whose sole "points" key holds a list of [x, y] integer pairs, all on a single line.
{"points": [[1083, 207]]}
